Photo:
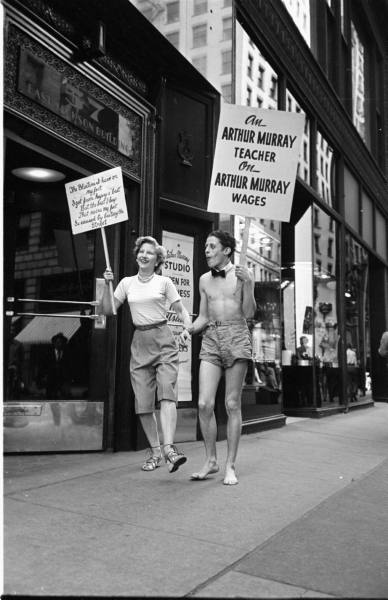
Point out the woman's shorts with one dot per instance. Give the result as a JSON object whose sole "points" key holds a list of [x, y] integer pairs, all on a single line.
{"points": [[224, 342], [153, 367]]}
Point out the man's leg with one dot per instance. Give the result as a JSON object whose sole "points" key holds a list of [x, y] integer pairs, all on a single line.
{"points": [[234, 379], [209, 377]]}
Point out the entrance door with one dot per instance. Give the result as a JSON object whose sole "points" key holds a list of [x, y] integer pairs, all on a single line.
{"points": [[54, 381]]}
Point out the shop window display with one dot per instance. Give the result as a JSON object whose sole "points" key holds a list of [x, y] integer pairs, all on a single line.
{"points": [[326, 330], [262, 392], [310, 357], [357, 324]]}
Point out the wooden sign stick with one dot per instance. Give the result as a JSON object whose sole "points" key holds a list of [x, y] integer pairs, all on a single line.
{"points": [[244, 248], [112, 298]]}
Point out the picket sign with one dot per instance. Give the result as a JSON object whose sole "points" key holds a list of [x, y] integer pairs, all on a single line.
{"points": [[254, 166], [95, 202], [244, 248]]}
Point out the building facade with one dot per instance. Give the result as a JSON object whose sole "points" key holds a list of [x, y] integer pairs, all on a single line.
{"points": [[316, 276], [89, 87]]}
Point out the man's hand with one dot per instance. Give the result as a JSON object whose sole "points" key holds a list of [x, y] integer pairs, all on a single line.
{"points": [[184, 336], [243, 273]]}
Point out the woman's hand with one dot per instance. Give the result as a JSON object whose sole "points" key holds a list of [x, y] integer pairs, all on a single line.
{"points": [[108, 275], [185, 335]]}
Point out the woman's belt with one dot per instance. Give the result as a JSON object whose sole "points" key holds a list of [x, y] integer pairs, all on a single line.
{"points": [[150, 326]]}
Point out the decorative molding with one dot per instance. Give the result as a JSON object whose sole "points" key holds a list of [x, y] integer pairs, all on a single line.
{"points": [[67, 29], [26, 108]]}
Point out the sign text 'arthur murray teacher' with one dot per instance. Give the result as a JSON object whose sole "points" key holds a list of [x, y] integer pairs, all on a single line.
{"points": [[255, 162]]}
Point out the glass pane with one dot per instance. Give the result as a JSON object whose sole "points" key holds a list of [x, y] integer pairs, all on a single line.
{"points": [[367, 219], [264, 374], [357, 325], [48, 356], [326, 330], [352, 212], [325, 171], [297, 303], [304, 152], [381, 234], [358, 82]]}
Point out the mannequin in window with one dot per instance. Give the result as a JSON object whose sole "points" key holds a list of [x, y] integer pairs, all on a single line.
{"points": [[303, 351]]}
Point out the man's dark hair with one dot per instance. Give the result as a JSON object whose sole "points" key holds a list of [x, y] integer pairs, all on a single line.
{"points": [[227, 240]]}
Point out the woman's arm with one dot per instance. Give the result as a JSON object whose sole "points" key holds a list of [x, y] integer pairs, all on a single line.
{"points": [[181, 311], [105, 304]]}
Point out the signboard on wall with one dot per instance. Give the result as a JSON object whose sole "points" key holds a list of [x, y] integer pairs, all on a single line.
{"points": [[97, 201], [53, 90], [255, 162], [179, 267]]}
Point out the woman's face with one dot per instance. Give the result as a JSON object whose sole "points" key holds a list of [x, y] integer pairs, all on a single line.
{"points": [[146, 257]]}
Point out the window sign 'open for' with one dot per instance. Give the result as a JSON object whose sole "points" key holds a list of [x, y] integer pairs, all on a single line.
{"points": [[96, 201]]}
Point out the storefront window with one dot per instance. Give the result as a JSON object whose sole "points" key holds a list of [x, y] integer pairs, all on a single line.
{"points": [[326, 327], [264, 374], [310, 358], [360, 85], [352, 204], [304, 152], [50, 273], [357, 315], [325, 172], [297, 305]]}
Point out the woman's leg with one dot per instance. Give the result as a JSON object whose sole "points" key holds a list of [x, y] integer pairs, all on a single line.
{"points": [[150, 426], [168, 419]]}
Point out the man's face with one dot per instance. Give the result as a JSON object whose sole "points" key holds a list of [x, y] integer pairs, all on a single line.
{"points": [[215, 253]]}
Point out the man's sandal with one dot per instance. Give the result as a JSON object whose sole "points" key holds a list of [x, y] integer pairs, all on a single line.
{"points": [[174, 459], [152, 462]]}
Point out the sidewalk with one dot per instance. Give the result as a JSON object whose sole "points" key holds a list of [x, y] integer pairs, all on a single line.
{"points": [[308, 519]]}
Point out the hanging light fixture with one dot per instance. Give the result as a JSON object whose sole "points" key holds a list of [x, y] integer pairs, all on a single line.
{"points": [[38, 174]]}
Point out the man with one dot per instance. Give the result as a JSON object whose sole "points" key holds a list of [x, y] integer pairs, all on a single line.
{"points": [[226, 301]]}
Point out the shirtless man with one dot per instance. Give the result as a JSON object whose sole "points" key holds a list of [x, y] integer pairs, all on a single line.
{"points": [[226, 301]]}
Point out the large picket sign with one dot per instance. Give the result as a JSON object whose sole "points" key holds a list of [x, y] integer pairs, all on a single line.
{"points": [[255, 162], [95, 202]]}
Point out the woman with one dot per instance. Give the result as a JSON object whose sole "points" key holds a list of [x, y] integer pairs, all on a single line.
{"points": [[154, 353]]}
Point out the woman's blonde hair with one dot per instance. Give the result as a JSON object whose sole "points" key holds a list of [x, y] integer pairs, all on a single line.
{"points": [[161, 253]]}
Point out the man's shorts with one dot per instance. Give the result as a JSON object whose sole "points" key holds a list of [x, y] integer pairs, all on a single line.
{"points": [[153, 367], [225, 342]]}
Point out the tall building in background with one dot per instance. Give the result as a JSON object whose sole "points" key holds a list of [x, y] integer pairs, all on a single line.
{"points": [[207, 34]]}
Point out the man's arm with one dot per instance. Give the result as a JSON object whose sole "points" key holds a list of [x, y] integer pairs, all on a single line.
{"points": [[248, 305], [105, 304]]}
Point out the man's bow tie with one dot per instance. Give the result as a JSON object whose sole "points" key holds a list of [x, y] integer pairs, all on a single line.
{"points": [[216, 273]]}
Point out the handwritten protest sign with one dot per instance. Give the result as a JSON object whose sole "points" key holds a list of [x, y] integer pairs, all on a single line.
{"points": [[96, 201], [255, 162]]}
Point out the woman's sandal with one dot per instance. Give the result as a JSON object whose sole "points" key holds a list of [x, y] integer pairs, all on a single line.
{"points": [[152, 462], [174, 459]]}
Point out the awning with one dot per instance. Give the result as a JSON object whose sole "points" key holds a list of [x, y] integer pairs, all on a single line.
{"points": [[41, 329]]}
